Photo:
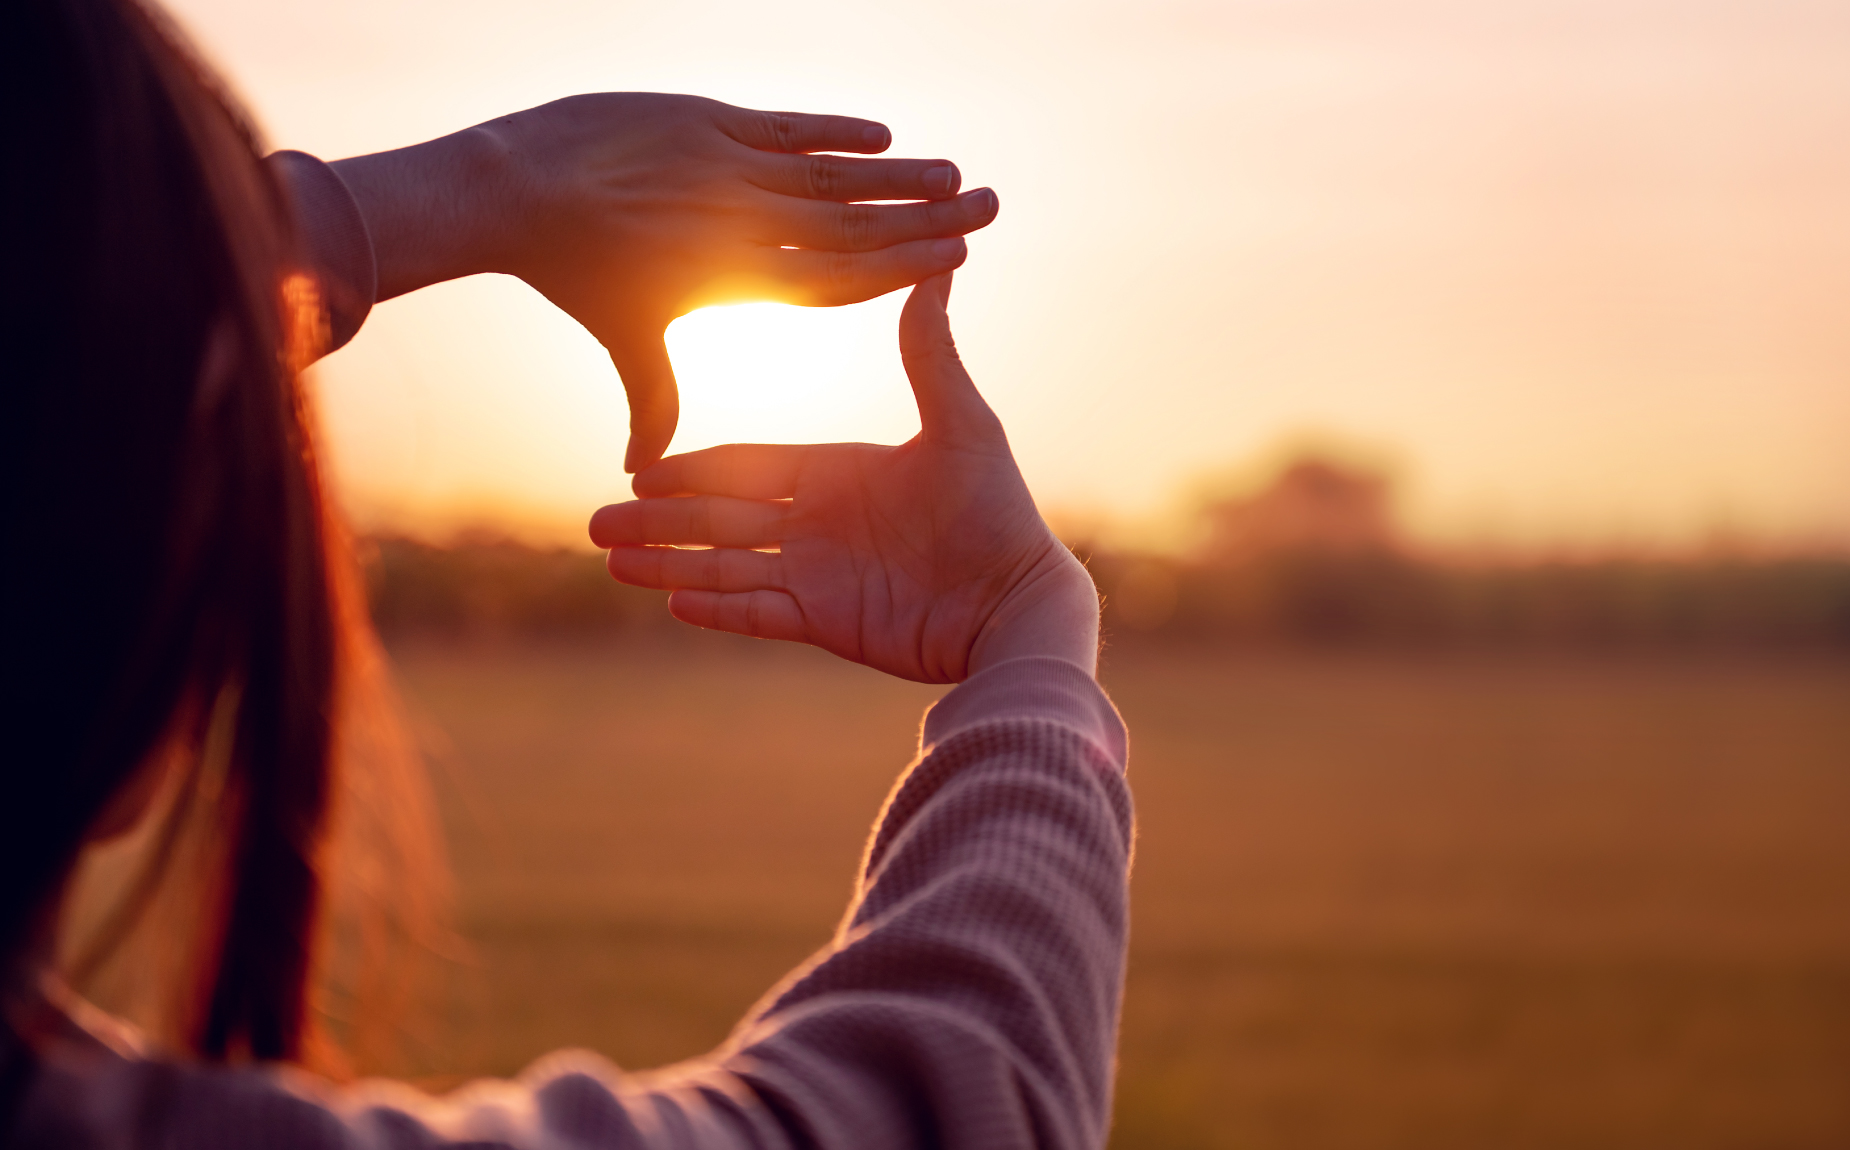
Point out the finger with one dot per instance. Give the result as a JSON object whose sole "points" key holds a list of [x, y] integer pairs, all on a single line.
{"points": [[845, 180], [801, 132], [715, 569], [949, 403], [828, 279], [764, 614], [870, 227], [655, 406], [740, 470], [700, 520]]}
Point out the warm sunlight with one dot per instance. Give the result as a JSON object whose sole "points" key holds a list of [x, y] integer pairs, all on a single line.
{"points": [[774, 373], [1581, 265]]}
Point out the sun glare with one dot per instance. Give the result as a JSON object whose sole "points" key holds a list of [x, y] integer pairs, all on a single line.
{"points": [[774, 373]]}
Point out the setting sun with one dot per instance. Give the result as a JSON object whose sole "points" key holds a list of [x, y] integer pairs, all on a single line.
{"points": [[774, 373]]}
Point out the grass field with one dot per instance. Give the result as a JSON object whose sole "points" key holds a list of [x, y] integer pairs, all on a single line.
{"points": [[1379, 901]]}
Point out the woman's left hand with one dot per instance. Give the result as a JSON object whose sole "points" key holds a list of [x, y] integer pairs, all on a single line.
{"points": [[630, 209], [927, 560]]}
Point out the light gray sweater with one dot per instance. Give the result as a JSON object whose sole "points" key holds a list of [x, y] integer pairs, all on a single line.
{"points": [[969, 999]]}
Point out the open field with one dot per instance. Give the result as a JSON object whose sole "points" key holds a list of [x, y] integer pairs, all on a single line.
{"points": [[1485, 901]]}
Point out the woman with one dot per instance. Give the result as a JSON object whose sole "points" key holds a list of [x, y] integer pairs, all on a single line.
{"points": [[181, 633]]}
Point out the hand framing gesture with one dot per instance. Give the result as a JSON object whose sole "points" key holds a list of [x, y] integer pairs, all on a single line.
{"points": [[628, 209], [927, 560]]}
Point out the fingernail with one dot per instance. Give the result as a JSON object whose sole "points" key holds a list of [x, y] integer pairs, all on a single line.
{"points": [[984, 202], [949, 249], [939, 181], [876, 137]]}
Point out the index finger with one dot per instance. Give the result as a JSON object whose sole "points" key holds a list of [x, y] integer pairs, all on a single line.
{"points": [[696, 520], [801, 132], [741, 470]]}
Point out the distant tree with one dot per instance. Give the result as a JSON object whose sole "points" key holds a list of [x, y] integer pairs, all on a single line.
{"points": [[1313, 506]]}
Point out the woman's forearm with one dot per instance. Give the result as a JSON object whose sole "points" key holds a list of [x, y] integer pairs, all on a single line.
{"points": [[972, 997]]}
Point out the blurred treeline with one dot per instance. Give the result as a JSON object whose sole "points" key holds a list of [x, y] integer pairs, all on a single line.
{"points": [[1391, 600], [484, 587], [1312, 557]]}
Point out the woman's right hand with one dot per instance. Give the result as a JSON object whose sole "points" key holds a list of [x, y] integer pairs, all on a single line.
{"points": [[628, 209], [927, 560]]}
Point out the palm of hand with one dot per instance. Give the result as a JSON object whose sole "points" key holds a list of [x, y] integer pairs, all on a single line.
{"points": [[897, 557], [903, 558]]}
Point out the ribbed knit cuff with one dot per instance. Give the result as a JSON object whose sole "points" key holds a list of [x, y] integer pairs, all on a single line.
{"points": [[339, 248], [1035, 687]]}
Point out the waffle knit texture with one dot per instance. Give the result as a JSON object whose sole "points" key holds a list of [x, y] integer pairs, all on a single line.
{"points": [[969, 999]]}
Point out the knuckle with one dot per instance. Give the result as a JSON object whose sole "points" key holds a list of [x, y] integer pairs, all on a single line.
{"points": [[942, 217], [857, 228], [937, 350], [825, 178], [784, 131]]}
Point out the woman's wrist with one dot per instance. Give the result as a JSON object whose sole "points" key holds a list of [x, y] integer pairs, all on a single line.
{"points": [[1053, 613], [436, 211]]}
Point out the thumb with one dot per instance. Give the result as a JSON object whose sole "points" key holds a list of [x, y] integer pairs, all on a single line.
{"points": [[949, 404], [655, 406]]}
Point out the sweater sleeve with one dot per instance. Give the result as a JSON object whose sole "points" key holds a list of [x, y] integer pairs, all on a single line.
{"points": [[968, 1001], [338, 247], [971, 996]]}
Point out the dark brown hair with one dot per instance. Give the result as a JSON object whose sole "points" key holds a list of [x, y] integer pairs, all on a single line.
{"points": [[167, 571]]}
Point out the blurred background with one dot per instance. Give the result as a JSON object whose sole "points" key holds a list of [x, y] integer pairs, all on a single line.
{"points": [[1449, 398]]}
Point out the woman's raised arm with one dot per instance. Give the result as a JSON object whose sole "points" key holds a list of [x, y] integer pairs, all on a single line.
{"points": [[628, 209], [969, 1000]]}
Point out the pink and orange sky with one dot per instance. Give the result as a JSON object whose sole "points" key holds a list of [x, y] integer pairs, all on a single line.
{"points": [[1581, 268]]}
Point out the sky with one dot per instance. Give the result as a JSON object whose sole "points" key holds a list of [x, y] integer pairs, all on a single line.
{"points": [[1578, 272]]}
